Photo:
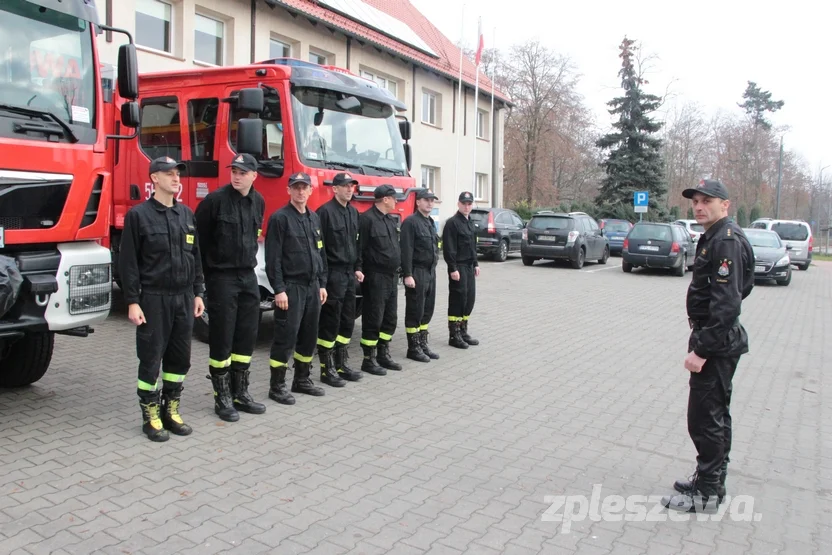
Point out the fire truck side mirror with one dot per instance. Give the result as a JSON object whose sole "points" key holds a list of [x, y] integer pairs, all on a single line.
{"points": [[128, 72], [408, 155], [405, 129], [250, 100], [250, 136], [130, 114]]}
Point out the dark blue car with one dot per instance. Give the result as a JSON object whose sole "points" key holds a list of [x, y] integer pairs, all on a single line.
{"points": [[616, 231]]}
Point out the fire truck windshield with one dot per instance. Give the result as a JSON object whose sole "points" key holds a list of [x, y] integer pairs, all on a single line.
{"points": [[347, 133], [46, 73]]}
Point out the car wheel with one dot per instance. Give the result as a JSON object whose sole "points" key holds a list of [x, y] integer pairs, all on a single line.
{"points": [[528, 261], [680, 271], [803, 267], [786, 281], [502, 252], [626, 266], [578, 263], [603, 259]]}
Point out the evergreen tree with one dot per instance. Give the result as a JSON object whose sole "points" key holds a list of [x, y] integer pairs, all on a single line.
{"points": [[757, 103], [634, 162], [742, 217], [690, 213], [755, 213]]}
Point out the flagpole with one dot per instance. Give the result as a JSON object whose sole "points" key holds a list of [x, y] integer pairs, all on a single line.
{"points": [[476, 110], [460, 115]]}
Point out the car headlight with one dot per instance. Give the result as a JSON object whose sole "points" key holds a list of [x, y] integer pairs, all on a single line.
{"points": [[783, 261]]}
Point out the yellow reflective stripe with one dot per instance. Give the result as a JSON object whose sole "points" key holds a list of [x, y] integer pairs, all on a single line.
{"points": [[276, 363], [423, 327], [455, 318], [385, 336], [465, 318], [343, 340], [240, 358], [176, 378], [411, 330], [219, 363], [301, 358], [144, 386], [326, 344], [368, 342]]}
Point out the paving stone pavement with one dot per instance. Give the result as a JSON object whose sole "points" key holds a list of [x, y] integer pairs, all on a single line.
{"points": [[578, 381]]}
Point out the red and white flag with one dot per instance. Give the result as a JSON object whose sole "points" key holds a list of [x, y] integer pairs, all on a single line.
{"points": [[480, 43]]}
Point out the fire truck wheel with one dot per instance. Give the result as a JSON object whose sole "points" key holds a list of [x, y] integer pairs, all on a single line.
{"points": [[26, 360]]}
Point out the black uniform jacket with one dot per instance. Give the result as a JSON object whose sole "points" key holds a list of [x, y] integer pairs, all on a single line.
{"points": [[419, 243], [294, 249], [229, 225], [459, 244]]}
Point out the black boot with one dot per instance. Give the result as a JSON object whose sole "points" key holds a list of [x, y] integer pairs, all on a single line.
{"points": [[329, 375], [370, 364], [277, 387], [341, 356], [455, 339], [384, 359], [463, 328], [414, 348], [151, 421], [423, 341], [686, 486], [301, 382], [171, 420], [223, 405], [243, 401], [703, 496]]}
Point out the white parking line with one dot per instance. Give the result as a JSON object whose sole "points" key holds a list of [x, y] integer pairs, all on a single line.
{"points": [[608, 267]]}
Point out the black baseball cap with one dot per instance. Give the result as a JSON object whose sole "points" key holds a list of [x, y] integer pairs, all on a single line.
{"points": [[164, 164], [245, 162], [384, 191], [343, 179], [426, 193], [466, 196], [709, 187], [299, 177]]}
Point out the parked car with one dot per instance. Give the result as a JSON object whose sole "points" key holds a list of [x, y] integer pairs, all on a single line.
{"points": [[694, 228], [499, 231], [771, 256], [658, 245], [794, 233], [574, 236], [616, 231]]}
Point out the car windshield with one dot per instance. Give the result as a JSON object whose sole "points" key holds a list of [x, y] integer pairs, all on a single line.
{"points": [[478, 216], [791, 231], [616, 227], [651, 231], [550, 222], [365, 137], [765, 240], [698, 228], [46, 65]]}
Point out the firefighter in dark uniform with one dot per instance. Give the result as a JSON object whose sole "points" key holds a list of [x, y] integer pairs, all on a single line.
{"points": [[722, 277], [230, 221], [420, 253], [459, 247], [161, 272], [339, 227], [296, 266], [379, 258]]}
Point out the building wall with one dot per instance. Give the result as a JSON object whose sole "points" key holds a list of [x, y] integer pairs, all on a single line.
{"points": [[433, 145]]}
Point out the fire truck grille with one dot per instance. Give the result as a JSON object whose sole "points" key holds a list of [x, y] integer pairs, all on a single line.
{"points": [[11, 223], [32, 200]]}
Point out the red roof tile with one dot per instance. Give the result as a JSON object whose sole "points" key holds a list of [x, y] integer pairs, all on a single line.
{"points": [[448, 62]]}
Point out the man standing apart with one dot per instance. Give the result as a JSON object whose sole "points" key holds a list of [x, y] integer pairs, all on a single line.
{"points": [[161, 273], [420, 253], [379, 258], [230, 221], [339, 227], [296, 267], [459, 247], [722, 277]]}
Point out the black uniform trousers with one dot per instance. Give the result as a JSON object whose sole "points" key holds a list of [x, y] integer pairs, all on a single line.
{"points": [[296, 329], [338, 313], [420, 300], [233, 317], [709, 415], [164, 341], [379, 311], [462, 294]]}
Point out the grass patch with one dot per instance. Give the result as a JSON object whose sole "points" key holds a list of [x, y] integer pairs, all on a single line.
{"points": [[824, 257]]}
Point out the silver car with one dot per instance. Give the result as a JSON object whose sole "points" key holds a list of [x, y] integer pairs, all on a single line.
{"points": [[796, 234]]}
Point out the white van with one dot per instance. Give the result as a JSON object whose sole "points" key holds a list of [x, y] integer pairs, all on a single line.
{"points": [[796, 234]]}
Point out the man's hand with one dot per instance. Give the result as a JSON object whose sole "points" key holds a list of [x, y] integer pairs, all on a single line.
{"points": [[323, 295], [199, 307], [359, 275], [409, 282], [694, 362], [282, 301], [476, 271], [455, 276], [136, 315]]}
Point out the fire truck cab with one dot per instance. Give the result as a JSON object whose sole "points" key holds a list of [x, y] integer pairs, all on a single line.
{"points": [[291, 115]]}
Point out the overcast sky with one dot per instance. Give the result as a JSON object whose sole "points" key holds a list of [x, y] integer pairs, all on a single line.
{"points": [[707, 51]]}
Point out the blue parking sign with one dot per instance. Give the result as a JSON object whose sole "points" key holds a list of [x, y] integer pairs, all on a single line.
{"points": [[640, 198]]}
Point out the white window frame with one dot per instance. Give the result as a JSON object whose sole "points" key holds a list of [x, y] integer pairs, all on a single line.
{"points": [[481, 188], [430, 100], [224, 44], [315, 53], [391, 85], [482, 124], [283, 43], [171, 27], [431, 177]]}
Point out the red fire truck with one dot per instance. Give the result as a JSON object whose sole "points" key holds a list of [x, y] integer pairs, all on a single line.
{"points": [[56, 124], [292, 115]]}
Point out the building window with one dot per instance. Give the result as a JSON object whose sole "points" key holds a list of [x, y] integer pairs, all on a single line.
{"points": [[153, 24], [383, 82], [482, 124], [316, 58], [429, 108], [481, 188], [430, 179], [208, 40], [279, 49]]}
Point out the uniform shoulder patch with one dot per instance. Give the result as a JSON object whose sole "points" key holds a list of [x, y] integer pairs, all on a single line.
{"points": [[724, 268]]}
